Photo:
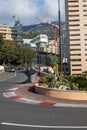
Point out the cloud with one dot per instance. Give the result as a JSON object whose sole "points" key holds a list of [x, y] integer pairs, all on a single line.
{"points": [[50, 9], [27, 10]]}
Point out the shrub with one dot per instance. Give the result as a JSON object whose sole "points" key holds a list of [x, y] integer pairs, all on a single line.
{"points": [[51, 78], [82, 82], [47, 80]]}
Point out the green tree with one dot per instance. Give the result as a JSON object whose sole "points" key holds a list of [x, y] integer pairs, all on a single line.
{"points": [[5, 53], [14, 54], [52, 60], [1, 41], [28, 55], [17, 58], [11, 53]]}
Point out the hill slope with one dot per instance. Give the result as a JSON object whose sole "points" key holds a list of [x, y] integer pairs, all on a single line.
{"points": [[31, 31]]}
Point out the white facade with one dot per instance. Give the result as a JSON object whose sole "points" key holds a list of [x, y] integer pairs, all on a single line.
{"points": [[26, 41], [42, 38]]}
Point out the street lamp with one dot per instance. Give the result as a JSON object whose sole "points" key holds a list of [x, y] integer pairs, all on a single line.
{"points": [[60, 46], [47, 58], [38, 58]]}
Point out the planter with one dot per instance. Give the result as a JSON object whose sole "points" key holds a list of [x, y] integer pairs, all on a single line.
{"points": [[73, 95]]}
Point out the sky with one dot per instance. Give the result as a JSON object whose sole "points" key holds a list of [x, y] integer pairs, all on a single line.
{"points": [[27, 11]]}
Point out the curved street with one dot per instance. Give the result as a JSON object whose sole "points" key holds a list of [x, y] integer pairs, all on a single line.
{"points": [[19, 116]]}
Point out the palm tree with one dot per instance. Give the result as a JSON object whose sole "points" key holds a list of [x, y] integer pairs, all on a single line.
{"points": [[52, 61]]}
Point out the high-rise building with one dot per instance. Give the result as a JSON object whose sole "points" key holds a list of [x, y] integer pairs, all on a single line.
{"points": [[76, 27]]}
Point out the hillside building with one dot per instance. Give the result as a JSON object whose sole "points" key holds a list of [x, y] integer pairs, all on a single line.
{"points": [[12, 32], [7, 32]]}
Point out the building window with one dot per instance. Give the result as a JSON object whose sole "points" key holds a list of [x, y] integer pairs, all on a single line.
{"points": [[84, 10], [74, 24], [75, 20], [76, 65], [75, 54], [84, 14], [74, 30], [73, 10], [74, 39], [74, 44], [84, 0], [75, 49], [85, 24], [76, 69], [74, 15], [71, 1], [74, 34], [73, 6], [75, 60], [84, 5]]}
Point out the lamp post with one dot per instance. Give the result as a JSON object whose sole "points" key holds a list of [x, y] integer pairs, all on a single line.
{"points": [[38, 58], [47, 57], [60, 47]]}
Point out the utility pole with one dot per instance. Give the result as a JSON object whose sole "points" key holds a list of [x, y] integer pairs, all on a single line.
{"points": [[60, 46], [38, 51]]}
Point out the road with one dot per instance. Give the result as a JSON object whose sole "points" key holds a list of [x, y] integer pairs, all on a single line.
{"points": [[19, 116]]}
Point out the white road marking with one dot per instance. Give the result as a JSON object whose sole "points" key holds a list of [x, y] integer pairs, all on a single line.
{"points": [[71, 105], [13, 88], [9, 94], [30, 101], [41, 126], [9, 77]]}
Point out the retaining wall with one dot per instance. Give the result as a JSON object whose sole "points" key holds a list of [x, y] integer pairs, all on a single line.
{"points": [[73, 95]]}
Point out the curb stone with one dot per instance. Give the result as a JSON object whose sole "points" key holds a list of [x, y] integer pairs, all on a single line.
{"points": [[11, 94]]}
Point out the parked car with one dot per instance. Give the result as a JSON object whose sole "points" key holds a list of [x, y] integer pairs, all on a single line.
{"points": [[11, 70]]}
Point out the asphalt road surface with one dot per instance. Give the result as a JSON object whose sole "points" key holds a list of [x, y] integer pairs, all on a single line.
{"points": [[19, 116]]}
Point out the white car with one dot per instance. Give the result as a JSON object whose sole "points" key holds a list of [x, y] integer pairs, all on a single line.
{"points": [[11, 70]]}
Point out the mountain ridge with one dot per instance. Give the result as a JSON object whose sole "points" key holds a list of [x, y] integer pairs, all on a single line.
{"points": [[31, 31]]}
